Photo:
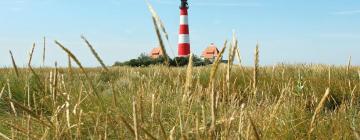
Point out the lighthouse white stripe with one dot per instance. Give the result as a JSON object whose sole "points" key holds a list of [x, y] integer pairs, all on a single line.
{"points": [[184, 38], [184, 20]]}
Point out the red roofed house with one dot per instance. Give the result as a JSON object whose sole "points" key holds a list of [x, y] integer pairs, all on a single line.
{"points": [[156, 53], [211, 52]]}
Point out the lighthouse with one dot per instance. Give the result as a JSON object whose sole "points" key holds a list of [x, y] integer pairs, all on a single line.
{"points": [[184, 39]]}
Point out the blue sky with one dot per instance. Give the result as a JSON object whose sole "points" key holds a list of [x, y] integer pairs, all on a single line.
{"points": [[306, 31]]}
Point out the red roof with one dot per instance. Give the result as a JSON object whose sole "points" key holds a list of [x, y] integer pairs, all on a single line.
{"points": [[210, 52], [156, 52]]}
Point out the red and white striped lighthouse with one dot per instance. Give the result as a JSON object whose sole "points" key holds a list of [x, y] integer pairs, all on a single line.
{"points": [[184, 39]]}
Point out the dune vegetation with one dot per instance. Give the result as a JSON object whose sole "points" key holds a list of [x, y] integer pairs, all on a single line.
{"points": [[217, 101], [159, 103], [220, 101]]}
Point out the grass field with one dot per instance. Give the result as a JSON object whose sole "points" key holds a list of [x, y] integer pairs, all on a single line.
{"points": [[219, 101], [158, 102]]}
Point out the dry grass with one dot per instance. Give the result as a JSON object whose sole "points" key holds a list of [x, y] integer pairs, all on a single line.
{"points": [[95, 53], [73, 57], [280, 112], [159, 26], [14, 64], [31, 54], [256, 66], [231, 57], [189, 77], [317, 111], [213, 98], [44, 51], [348, 65], [145, 103]]}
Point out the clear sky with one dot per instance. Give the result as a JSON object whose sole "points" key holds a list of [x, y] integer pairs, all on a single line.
{"points": [[302, 31]]}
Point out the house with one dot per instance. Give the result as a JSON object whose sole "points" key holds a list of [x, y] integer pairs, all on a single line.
{"points": [[156, 53], [210, 53]]}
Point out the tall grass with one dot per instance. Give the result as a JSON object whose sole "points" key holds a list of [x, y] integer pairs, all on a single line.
{"points": [[14, 64], [213, 96], [73, 57], [31, 54], [278, 113], [95, 53], [145, 103], [256, 66], [159, 26], [189, 77], [317, 111], [44, 51]]}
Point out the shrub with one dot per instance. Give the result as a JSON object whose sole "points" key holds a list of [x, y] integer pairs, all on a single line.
{"points": [[144, 61]]}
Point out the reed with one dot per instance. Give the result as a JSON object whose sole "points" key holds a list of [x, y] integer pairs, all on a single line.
{"points": [[172, 133], [33, 114], [127, 124], [352, 95], [162, 129], [14, 64], [159, 25], [188, 81], [2, 92], [44, 51], [31, 54], [22, 130], [37, 77], [317, 111], [254, 128], [231, 57], [148, 134], [10, 97], [348, 66], [135, 120], [69, 64], [241, 123], [256, 67], [329, 76], [152, 115], [181, 126], [4, 136], [356, 133], [73, 57], [93, 51], [67, 111], [157, 17], [276, 109], [203, 115], [237, 49], [197, 127], [161, 43], [215, 66], [213, 72], [239, 56]]}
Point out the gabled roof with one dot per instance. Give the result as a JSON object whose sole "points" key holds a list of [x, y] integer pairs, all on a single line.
{"points": [[156, 52], [210, 52]]}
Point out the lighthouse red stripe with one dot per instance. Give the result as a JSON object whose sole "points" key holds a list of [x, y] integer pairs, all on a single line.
{"points": [[184, 40], [184, 49], [184, 29], [183, 11]]}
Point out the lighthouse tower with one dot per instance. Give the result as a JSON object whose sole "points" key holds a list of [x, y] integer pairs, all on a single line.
{"points": [[184, 39]]}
